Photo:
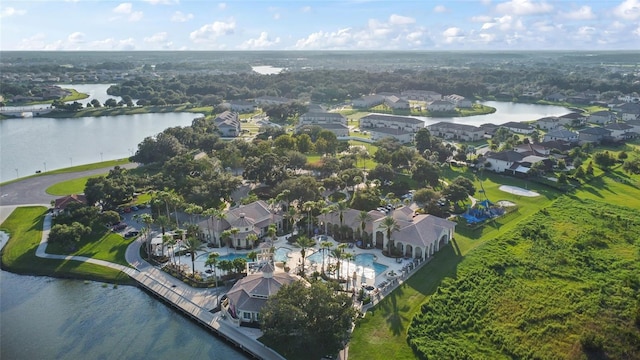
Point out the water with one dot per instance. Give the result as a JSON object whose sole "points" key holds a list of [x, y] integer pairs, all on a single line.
{"points": [[30, 144], [505, 112], [46, 318], [95, 91], [281, 254], [267, 69], [364, 264]]}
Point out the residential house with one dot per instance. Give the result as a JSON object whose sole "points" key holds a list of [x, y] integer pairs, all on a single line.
{"points": [[561, 134], [334, 122], [549, 123], [391, 121], [573, 119], [272, 100], [418, 236], [395, 102], [246, 298], [401, 135], [532, 149], [61, 204], [629, 111], [593, 134], [635, 124], [459, 101], [601, 117], [502, 161], [350, 218], [447, 130], [421, 95], [489, 129], [254, 218], [368, 101], [518, 127], [228, 124], [240, 106], [620, 131], [556, 97], [441, 106]]}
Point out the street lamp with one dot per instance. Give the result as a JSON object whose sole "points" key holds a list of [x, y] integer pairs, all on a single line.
{"points": [[45, 166], [100, 156], [71, 161], [17, 176]]}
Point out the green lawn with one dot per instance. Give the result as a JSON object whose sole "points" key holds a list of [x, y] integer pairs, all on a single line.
{"points": [[102, 245], [73, 186], [93, 166], [25, 228]]}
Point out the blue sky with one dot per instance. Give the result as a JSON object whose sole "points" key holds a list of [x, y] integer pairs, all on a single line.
{"points": [[320, 25]]}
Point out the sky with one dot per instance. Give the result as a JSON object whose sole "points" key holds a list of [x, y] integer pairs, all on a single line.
{"points": [[320, 25]]}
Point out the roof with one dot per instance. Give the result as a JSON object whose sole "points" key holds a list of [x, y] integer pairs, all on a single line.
{"points": [[421, 230], [384, 117], [596, 130], [549, 119], [573, 115], [252, 292], [601, 113], [389, 131], [454, 126], [322, 114], [532, 159], [618, 126], [562, 133], [509, 156], [63, 202], [531, 148], [517, 125]]}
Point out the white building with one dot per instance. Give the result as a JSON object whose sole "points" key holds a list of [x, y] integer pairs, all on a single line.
{"points": [[228, 124], [459, 101], [441, 106], [334, 122]]}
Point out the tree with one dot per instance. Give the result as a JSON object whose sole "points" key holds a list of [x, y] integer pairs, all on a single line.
{"points": [[632, 166], [304, 243], [425, 172], [325, 246], [466, 184], [389, 225], [455, 193], [271, 233], [110, 102], [604, 159], [310, 321], [364, 218], [192, 246], [423, 140], [234, 233], [304, 143], [424, 196]]}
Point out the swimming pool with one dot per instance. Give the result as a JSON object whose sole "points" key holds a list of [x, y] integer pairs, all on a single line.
{"points": [[281, 254], [364, 264]]}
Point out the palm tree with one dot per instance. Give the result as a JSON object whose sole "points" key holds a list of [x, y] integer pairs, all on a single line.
{"points": [[193, 209], [308, 207], [192, 245], [226, 266], [325, 246], [271, 233], [210, 213], [252, 255], [348, 257], [338, 254], [147, 220], [226, 237], [324, 211], [252, 239], [234, 233], [211, 262], [170, 242], [390, 225], [304, 243], [364, 218], [341, 208], [163, 222]]}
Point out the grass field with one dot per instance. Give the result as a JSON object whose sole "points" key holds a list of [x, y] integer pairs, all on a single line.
{"points": [[104, 111], [383, 333], [25, 228], [73, 186], [98, 165], [102, 245]]}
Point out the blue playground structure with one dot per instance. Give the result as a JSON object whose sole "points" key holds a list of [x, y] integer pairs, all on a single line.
{"points": [[483, 210]]}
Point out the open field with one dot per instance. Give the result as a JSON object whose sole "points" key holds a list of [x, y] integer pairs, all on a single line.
{"points": [[104, 111], [383, 333], [19, 255], [93, 166], [101, 245], [69, 187]]}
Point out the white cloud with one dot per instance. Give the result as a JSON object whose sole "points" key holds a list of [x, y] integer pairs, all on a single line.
{"points": [[524, 7], [76, 37], [395, 19], [306, 9], [113, 44], [453, 34], [326, 40], [628, 10], [481, 18], [586, 31], [262, 42], [10, 11], [222, 6], [439, 9], [636, 32], [276, 16], [127, 9], [210, 32], [583, 13], [179, 16], [124, 8], [156, 38]]}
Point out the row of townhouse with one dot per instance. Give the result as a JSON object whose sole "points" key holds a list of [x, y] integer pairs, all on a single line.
{"points": [[400, 127], [334, 122], [454, 131], [228, 124], [435, 102]]}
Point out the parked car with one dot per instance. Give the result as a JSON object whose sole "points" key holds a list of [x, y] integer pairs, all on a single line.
{"points": [[119, 226], [135, 208], [132, 233]]}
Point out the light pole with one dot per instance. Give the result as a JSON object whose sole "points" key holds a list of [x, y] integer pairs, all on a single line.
{"points": [[45, 166], [17, 176], [100, 156], [71, 161]]}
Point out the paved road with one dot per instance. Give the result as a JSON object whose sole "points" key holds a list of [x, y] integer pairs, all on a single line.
{"points": [[33, 190]]}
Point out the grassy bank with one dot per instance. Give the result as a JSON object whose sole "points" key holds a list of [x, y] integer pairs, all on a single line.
{"points": [[69, 187], [19, 255], [93, 166], [103, 111], [563, 285]]}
